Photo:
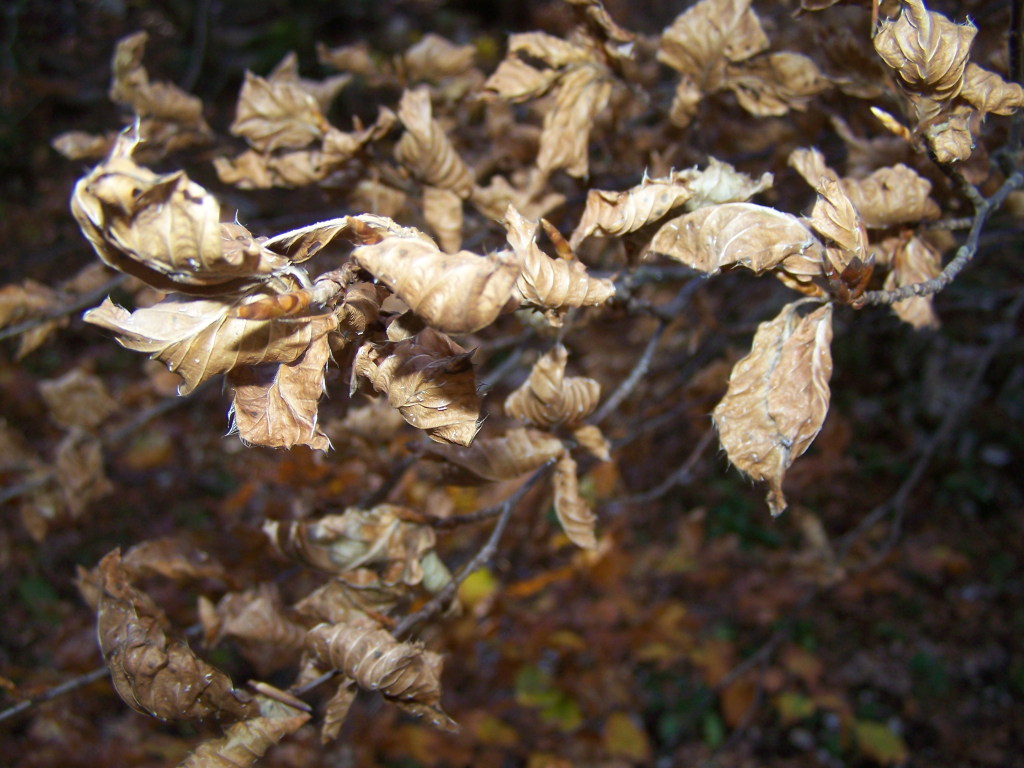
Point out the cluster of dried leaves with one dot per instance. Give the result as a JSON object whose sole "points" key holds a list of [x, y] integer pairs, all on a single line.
{"points": [[401, 308]]}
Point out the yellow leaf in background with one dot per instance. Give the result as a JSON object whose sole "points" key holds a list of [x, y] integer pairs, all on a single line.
{"points": [[623, 737], [793, 707], [478, 587], [879, 743]]}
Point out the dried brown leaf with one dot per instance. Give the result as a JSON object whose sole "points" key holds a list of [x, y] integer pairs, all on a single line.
{"points": [[513, 454], [277, 115], [442, 210], [454, 293], [404, 673], [376, 197], [78, 467], [324, 91], [552, 284], [435, 58], [79, 145], [354, 594], [550, 398], [553, 51], [78, 399], [927, 50], [494, 199], [257, 620], [156, 674], [247, 741], [514, 80], [610, 213], [574, 513], [356, 58], [383, 537], [164, 229], [685, 102], [582, 94], [778, 397], [914, 262], [775, 83], [835, 218], [336, 710], [172, 558], [749, 235], [275, 405], [591, 439], [425, 149], [132, 88], [707, 35], [430, 380], [950, 139], [200, 338], [987, 92]]}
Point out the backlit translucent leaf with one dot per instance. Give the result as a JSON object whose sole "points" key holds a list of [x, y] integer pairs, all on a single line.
{"points": [[778, 397]]}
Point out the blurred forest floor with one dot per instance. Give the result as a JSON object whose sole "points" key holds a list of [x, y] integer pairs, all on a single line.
{"points": [[703, 630]]}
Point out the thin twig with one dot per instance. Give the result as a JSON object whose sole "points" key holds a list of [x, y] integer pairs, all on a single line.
{"points": [[82, 302], [964, 254], [479, 560], [59, 690], [680, 476], [26, 486], [628, 384]]}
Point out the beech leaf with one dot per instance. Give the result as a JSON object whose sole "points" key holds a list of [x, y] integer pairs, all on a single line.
{"points": [[454, 293], [404, 673], [778, 397], [987, 92], [553, 284], [775, 83], [752, 236], [914, 261], [200, 338], [425, 149], [155, 674], [549, 397], [582, 94], [277, 114], [511, 455], [430, 380], [275, 404], [574, 513]]}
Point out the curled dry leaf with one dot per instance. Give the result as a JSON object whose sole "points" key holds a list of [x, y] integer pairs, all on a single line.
{"points": [[775, 83], [583, 93], [79, 145], [752, 236], [987, 92], [156, 674], [404, 673], [553, 51], [494, 199], [707, 35], [887, 197], [435, 58], [324, 91], [247, 741], [164, 229], [552, 284], [336, 710], [425, 149], [277, 114], [30, 300], [513, 454], [355, 594], [610, 213], [590, 437], [382, 536], [914, 261], [430, 380], [550, 398], [514, 80], [78, 399], [78, 468], [574, 513], [131, 87], [275, 404], [778, 397], [927, 50], [835, 218], [257, 620], [172, 558], [950, 139], [454, 293], [200, 338], [442, 210]]}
